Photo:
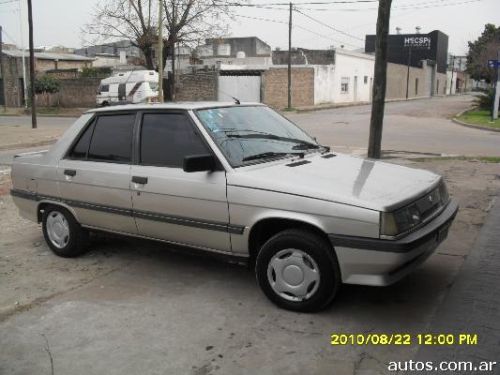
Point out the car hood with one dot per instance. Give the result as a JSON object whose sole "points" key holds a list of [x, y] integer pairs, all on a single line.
{"points": [[344, 179]]}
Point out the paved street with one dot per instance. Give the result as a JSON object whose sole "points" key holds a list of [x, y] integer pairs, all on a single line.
{"points": [[412, 126], [420, 126]]}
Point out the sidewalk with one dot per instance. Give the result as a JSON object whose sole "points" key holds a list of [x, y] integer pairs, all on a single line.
{"points": [[18, 136], [472, 305], [43, 111]]}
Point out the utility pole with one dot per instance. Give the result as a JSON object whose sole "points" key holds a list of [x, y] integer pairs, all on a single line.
{"points": [[408, 72], [160, 51], [290, 59], [23, 59], [379, 80], [32, 67], [1, 60], [452, 68], [496, 102], [171, 46]]}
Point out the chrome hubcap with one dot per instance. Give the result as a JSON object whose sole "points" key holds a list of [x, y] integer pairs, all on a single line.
{"points": [[57, 229], [293, 275]]}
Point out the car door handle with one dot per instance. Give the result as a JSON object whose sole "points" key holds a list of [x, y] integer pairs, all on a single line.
{"points": [[70, 172], [139, 180]]}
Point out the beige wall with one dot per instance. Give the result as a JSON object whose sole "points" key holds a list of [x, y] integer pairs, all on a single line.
{"points": [[440, 86], [396, 82], [275, 87]]}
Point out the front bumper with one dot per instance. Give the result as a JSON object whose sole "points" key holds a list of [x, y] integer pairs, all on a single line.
{"points": [[372, 261]]}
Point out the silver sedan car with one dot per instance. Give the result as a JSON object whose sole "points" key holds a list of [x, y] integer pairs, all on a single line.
{"points": [[241, 181]]}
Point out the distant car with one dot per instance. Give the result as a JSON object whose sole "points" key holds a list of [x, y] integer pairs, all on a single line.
{"points": [[132, 87], [240, 181]]}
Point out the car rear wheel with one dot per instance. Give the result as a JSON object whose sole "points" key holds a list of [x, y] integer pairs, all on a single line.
{"points": [[298, 270], [63, 233]]}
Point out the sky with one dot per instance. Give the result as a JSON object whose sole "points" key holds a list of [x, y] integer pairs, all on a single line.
{"points": [[60, 22]]}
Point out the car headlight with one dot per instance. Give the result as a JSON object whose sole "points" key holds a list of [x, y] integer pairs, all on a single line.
{"points": [[408, 217], [400, 221]]}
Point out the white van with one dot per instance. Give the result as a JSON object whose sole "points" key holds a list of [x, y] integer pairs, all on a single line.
{"points": [[138, 86]]}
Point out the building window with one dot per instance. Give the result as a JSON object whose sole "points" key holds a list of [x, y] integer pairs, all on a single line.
{"points": [[344, 85], [366, 80], [416, 86]]}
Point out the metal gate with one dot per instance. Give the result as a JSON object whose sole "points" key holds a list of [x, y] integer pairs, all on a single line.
{"points": [[245, 88]]}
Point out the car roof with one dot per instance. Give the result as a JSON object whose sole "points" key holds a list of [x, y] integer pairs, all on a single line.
{"points": [[172, 105]]}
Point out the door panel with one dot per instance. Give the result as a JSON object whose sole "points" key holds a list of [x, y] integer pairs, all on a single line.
{"points": [[189, 208], [99, 192], [94, 178], [168, 203]]}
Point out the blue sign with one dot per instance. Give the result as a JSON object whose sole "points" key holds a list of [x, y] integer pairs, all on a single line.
{"points": [[493, 64]]}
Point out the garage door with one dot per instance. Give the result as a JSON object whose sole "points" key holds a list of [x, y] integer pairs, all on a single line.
{"points": [[245, 88]]}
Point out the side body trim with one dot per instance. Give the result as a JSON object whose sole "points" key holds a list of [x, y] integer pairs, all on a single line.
{"points": [[179, 220]]}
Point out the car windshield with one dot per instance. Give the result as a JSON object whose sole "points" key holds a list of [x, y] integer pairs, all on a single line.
{"points": [[251, 134]]}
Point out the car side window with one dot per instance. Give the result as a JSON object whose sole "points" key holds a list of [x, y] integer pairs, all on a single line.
{"points": [[81, 148], [166, 138], [112, 138]]}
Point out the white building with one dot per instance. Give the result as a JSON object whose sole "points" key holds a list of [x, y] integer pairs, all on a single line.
{"points": [[349, 80]]}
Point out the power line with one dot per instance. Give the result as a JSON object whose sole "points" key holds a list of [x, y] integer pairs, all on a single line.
{"points": [[302, 3], [8, 35], [424, 5], [330, 27], [9, 1], [299, 27]]}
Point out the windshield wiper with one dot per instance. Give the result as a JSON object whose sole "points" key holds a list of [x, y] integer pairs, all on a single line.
{"points": [[270, 154], [262, 135]]}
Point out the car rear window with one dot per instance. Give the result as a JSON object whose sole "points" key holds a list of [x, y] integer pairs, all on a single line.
{"points": [[79, 151], [112, 138]]}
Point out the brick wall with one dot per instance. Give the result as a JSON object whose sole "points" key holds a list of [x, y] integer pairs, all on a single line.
{"points": [[73, 93], [12, 69], [199, 86], [275, 87]]}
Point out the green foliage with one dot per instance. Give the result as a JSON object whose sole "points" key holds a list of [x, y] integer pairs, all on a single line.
{"points": [[480, 117], [480, 51], [485, 100], [96, 72], [46, 84]]}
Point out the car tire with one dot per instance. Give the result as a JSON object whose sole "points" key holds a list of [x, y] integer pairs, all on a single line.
{"points": [[63, 234], [298, 270]]}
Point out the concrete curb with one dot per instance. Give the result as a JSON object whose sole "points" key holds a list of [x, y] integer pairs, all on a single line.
{"points": [[467, 125], [357, 104]]}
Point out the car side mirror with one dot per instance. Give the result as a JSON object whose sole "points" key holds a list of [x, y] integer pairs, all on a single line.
{"points": [[199, 163]]}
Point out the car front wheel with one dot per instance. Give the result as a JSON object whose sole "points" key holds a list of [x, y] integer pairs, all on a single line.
{"points": [[63, 233], [298, 271]]}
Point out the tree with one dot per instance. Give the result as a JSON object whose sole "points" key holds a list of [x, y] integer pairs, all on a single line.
{"points": [[185, 21], [126, 19], [480, 51], [46, 84]]}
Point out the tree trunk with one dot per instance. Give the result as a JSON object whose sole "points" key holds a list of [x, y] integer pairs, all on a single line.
{"points": [[148, 56], [379, 80]]}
